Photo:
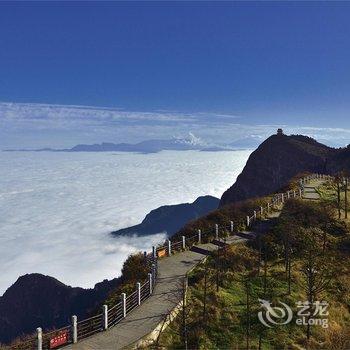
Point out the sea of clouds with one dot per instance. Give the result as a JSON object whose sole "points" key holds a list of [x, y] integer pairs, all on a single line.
{"points": [[57, 209]]}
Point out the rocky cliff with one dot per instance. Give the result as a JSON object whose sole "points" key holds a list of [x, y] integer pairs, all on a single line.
{"points": [[275, 162], [36, 300], [170, 218]]}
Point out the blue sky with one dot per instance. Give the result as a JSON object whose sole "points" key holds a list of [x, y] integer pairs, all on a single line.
{"points": [[262, 63]]}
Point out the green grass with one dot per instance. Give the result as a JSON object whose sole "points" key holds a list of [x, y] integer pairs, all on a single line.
{"points": [[226, 316], [328, 192]]}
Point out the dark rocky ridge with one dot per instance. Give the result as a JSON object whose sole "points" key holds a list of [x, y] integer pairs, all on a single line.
{"points": [[277, 160], [148, 146], [36, 300], [170, 218]]}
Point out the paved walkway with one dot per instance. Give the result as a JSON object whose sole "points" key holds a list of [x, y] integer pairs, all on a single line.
{"points": [[144, 319], [310, 192]]}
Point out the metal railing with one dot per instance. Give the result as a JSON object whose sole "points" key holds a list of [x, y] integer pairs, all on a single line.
{"points": [[132, 301], [89, 326], [115, 314], [145, 291], [53, 339], [28, 344]]}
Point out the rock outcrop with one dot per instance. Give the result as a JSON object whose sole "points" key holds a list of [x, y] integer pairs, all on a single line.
{"points": [[275, 162], [36, 300], [170, 218]]}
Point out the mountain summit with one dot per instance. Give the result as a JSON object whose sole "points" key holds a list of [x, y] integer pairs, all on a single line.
{"points": [[275, 162], [35, 299]]}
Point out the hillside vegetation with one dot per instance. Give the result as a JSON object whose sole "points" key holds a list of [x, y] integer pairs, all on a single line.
{"points": [[304, 257]]}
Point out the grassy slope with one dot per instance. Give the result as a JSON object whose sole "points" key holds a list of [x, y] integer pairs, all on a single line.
{"points": [[237, 212], [226, 310]]}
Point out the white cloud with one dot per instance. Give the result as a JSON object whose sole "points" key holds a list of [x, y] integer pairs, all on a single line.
{"points": [[43, 125], [57, 209]]}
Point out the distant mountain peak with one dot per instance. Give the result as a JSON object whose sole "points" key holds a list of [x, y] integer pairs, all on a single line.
{"points": [[170, 218], [190, 139], [190, 142], [35, 299]]}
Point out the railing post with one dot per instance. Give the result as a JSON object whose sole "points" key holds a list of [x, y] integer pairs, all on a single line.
{"points": [[300, 193], [154, 252], [268, 207], [282, 197], [248, 221], [183, 242], [216, 231], [74, 329], [105, 316], [169, 247], [124, 304], [39, 334], [254, 214], [261, 211], [199, 236], [154, 273], [231, 226], [288, 194], [138, 288], [150, 283]]}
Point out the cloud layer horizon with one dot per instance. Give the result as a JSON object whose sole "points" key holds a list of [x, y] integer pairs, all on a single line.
{"points": [[27, 125]]}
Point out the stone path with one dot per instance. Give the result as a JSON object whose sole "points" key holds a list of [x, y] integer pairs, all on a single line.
{"points": [[310, 192], [144, 319]]}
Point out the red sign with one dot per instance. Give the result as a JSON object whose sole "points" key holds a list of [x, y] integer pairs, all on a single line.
{"points": [[60, 339], [161, 253]]}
